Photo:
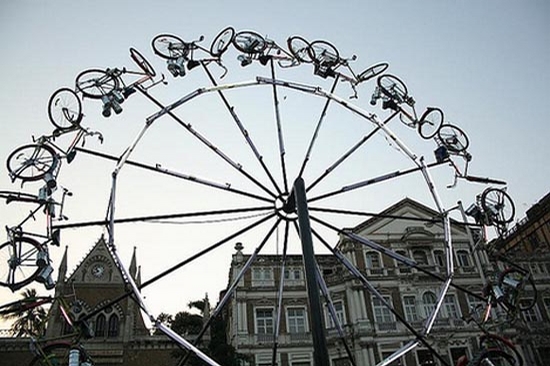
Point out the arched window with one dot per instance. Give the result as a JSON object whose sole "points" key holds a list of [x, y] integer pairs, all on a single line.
{"points": [[113, 326], [372, 260], [428, 300], [420, 257], [99, 330]]}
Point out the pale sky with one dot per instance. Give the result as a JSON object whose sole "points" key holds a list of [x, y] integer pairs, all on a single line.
{"points": [[484, 63]]}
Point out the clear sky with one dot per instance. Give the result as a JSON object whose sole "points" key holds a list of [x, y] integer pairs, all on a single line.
{"points": [[485, 63]]}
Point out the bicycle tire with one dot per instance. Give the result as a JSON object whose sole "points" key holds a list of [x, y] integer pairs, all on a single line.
{"points": [[299, 48], [222, 41], [372, 71], [430, 122], [453, 138], [95, 83], [393, 87], [525, 302], [18, 262], [249, 42], [169, 46], [31, 162], [324, 53], [10, 196], [65, 109], [499, 205], [491, 355], [142, 62], [493, 341]]}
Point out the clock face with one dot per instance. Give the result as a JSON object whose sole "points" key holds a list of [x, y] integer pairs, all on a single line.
{"points": [[98, 270]]}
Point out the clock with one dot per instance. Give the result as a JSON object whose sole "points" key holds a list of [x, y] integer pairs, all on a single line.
{"points": [[98, 270]]}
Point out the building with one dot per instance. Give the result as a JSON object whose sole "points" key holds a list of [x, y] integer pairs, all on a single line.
{"points": [[120, 334], [372, 332], [527, 243]]}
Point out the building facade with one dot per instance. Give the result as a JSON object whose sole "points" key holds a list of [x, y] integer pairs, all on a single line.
{"points": [[372, 332], [527, 243]]}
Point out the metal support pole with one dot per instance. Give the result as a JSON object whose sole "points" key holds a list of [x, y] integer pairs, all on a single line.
{"points": [[320, 353]]}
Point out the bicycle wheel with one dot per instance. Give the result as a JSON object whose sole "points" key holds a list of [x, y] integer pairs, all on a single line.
{"points": [[453, 138], [496, 342], [142, 62], [430, 122], [249, 42], [519, 288], [95, 83], [169, 46], [65, 109], [299, 48], [324, 53], [18, 262], [498, 205], [393, 87], [372, 71], [31, 162], [222, 41]]}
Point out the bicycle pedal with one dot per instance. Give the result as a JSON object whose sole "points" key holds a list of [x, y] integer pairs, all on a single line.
{"points": [[71, 156]]}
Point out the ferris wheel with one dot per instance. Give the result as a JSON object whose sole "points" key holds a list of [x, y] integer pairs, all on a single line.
{"points": [[272, 153]]}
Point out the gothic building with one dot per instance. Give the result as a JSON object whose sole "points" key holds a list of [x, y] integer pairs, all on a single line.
{"points": [[371, 331], [120, 336]]}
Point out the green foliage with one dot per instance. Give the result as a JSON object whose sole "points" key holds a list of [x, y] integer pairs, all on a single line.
{"points": [[30, 321]]}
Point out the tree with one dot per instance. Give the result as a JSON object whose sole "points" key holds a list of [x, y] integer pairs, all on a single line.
{"points": [[28, 321]]}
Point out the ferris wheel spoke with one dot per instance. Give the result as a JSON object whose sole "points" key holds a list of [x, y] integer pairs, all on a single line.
{"points": [[157, 168], [243, 131], [230, 290], [280, 294], [348, 153], [280, 138], [316, 131]]}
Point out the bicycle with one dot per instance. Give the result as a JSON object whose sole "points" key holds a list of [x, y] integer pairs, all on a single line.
{"points": [[327, 61], [256, 47], [41, 160], [493, 207], [394, 93], [493, 349], [62, 350], [180, 54], [23, 258], [109, 86]]}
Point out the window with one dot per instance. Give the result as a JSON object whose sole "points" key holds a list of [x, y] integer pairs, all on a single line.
{"points": [[425, 357], [381, 313], [420, 257], [403, 268], [293, 274], [99, 330], [428, 300], [398, 362], [409, 305], [457, 352], [113, 326], [372, 260], [439, 258], [340, 314], [296, 320], [534, 240], [546, 302], [529, 315], [262, 274], [451, 307], [463, 258], [341, 362], [264, 321]]}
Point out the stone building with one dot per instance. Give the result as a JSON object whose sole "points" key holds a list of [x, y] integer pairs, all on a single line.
{"points": [[372, 332], [527, 243]]}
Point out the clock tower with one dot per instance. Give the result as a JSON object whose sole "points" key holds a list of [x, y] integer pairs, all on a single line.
{"points": [[89, 289]]}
